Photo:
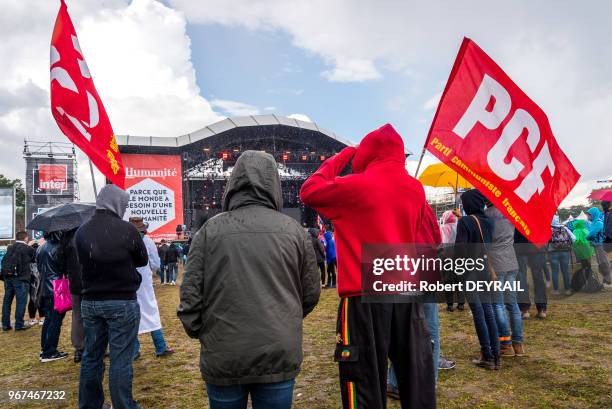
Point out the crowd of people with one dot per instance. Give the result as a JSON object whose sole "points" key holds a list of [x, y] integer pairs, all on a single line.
{"points": [[253, 274]]}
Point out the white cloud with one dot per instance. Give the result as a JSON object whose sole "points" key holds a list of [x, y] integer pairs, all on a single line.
{"points": [[432, 103], [300, 117], [354, 70], [139, 55], [234, 108]]}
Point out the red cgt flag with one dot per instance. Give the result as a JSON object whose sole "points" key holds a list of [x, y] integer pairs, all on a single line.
{"points": [[489, 131], [76, 105]]}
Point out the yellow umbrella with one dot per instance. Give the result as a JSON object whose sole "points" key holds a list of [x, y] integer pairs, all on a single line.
{"points": [[440, 175]]}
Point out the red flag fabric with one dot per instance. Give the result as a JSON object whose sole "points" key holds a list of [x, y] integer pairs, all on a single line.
{"points": [[76, 105], [489, 131]]}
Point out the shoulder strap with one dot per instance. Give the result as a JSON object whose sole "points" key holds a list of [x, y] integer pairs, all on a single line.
{"points": [[479, 228]]}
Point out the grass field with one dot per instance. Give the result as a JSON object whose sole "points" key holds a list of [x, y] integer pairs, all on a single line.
{"points": [[568, 362]]}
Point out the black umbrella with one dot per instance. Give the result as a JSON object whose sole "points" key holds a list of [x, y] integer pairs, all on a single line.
{"points": [[63, 217]]}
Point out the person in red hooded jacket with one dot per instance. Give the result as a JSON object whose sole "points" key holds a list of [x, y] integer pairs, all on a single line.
{"points": [[381, 195]]}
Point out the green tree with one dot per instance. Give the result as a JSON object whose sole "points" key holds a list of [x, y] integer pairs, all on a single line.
{"points": [[20, 192]]}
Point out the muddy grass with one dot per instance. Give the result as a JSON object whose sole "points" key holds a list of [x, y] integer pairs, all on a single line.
{"points": [[567, 366]]}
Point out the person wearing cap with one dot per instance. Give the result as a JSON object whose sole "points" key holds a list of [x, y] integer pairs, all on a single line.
{"points": [[149, 312]]}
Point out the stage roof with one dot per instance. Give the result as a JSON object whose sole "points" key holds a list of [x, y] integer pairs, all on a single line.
{"points": [[224, 126]]}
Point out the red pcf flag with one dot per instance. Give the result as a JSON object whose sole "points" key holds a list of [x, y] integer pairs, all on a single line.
{"points": [[75, 103], [487, 129]]}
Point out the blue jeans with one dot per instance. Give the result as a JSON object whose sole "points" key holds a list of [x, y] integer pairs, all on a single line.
{"points": [[158, 341], [483, 314], [112, 322], [507, 301], [433, 325], [278, 395], [49, 336], [560, 259], [14, 288], [170, 269], [536, 262], [160, 272]]}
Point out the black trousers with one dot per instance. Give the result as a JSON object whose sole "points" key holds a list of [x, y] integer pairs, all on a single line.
{"points": [[370, 334], [322, 270], [32, 308], [331, 273]]}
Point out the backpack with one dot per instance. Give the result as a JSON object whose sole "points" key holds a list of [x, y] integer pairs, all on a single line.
{"points": [[560, 239], [11, 263], [585, 280]]}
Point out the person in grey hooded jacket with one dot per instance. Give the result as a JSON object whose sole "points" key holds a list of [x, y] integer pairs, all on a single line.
{"points": [[109, 250], [250, 279]]}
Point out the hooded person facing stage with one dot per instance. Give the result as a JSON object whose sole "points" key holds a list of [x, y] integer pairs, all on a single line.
{"points": [[474, 234], [383, 197], [109, 251], [250, 279]]}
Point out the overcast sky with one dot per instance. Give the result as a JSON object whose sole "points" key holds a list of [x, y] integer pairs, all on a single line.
{"points": [[170, 67]]}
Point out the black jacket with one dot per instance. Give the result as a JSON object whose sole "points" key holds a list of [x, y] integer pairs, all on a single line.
{"points": [[318, 247], [251, 277], [109, 250], [17, 260], [469, 242], [162, 251], [172, 254], [50, 265], [71, 260]]}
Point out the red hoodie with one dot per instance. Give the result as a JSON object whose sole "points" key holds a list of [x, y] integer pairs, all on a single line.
{"points": [[379, 203]]}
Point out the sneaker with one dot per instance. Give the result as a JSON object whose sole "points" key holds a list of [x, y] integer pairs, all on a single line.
{"points": [[25, 326], [168, 351], [555, 292], [449, 308], [548, 284], [460, 307], [107, 406], [7, 328], [393, 392], [58, 355], [444, 363], [519, 350], [506, 350], [41, 321], [173, 283], [33, 321], [78, 356], [607, 286], [526, 315], [541, 315], [488, 364], [569, 292]]}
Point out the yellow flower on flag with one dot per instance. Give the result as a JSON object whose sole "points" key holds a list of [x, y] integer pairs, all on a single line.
{"points": [[113, 144], [113, 162]]}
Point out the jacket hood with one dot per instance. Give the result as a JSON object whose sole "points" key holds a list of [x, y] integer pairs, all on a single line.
{"points": [[473, 202], [328, 236], [555, 221], [254, 181], [114, 199], [595, 213], [448, 217], [381, 145]]}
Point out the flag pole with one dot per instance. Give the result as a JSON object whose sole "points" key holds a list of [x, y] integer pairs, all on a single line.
{"points": [[93, 178], [420, 159]]}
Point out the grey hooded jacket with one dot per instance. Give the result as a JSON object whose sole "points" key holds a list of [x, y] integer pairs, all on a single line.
{"points": [[250, 279], [110, 249]]}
